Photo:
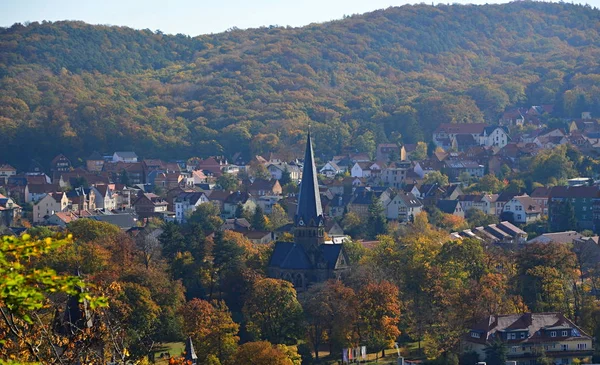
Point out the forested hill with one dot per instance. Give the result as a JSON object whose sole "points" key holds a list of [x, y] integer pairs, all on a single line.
{"points": [[73, 88]]}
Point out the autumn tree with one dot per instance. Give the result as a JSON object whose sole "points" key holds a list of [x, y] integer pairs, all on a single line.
{"points": [[273, 312], [331, 310], [436, 177], [379, 314], [211, 328], [264, 353]]}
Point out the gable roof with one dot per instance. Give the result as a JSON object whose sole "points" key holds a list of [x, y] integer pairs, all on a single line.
{"points": [[447, 206], [126, 154]]}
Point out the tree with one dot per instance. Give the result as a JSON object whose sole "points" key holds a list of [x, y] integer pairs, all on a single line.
{"points": [[496, 353], [211, 328], [489, 184], [259, 221], [262, 353], [331, 310], [24, 289], [353, 225], [228, 182], [436, 177], [207, 216], [278, 217], [172, 240], [124, 178], [376, 220], [273, 312], [420, 152], [477, 218], [379, 314], [286, 177]]}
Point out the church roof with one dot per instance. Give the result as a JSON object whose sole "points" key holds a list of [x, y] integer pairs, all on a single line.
{"points": [[309, 201], [292, 256]]}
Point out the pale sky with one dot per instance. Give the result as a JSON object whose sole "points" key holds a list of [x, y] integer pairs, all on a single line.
{"points": [[201, 16]]}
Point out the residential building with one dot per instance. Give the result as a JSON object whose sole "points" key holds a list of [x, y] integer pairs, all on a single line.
{"points": [[529, 335], [48, 205], [454, 168], [6, 171], [523, 209], [403, 207], [394, 174], [104, 197], [451, 207], [150, 205], [234, 200], [9, 211], [262, 187], [94, 162], [277, 170], [581, 198], [387, 152], [540, 197], [125, 156], [186, 203], [331, 169]]}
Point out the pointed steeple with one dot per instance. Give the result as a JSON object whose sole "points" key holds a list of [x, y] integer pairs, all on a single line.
{"points": [[310, 211], [190, 354]]}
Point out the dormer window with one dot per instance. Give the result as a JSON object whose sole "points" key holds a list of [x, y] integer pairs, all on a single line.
{"points": [[475, 334], [552, 333], [565, 333]]}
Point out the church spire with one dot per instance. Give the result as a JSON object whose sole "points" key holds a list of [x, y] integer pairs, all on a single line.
{"points": [[310, 211]]}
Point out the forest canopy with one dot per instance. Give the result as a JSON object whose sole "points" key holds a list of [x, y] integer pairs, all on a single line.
{"points": [[73, 88]]}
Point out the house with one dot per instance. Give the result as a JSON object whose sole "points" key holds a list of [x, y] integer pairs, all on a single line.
{"points": [[394, 174], [365, 169], [235, 224], [496, 136], [527, 335], [277, 170], [6, 171], [514, 117], [363, 198], [150, 205], [80, 199], [540, 197], [501, 200], [446, 132], [308, 259], [451, 207], [266, 202], [581, 199], [482, 202], [566, 237], [48, 205], [262, 187], [94, 162], [9, 211], [454, 168], [125, 221], [61, 219], [38, 191], [186, 203], [235, 200], [125, 156], [403, 207], [523, 209], [60, 163], [331, 169], [128, 173], [259, 237], [168, 180], [104, 197], [390, 151]]}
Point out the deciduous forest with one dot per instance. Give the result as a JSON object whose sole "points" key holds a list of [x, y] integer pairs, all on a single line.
{"points": [[70, 87]]}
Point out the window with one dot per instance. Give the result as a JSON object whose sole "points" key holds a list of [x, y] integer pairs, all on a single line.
{"points": [[552, 333], [512, 336], [565, 333], [514, 349], [522, 334], [475, 335], [564, 347], [581, 346]]}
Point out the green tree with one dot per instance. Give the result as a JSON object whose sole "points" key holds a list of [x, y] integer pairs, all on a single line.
{"points": [[228, 182], [496, 353], [259, 222], [376, 220], [436, 177], [420, 152], [286, 177], [478, 218]]}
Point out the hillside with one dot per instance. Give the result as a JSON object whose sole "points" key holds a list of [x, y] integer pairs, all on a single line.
{"points": [[73, 88]]}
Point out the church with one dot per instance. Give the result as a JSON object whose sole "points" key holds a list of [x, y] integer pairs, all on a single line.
{"points": [[308, 259]]}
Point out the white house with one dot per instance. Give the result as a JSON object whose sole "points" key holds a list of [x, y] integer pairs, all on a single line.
{"points": [[364, 169], [494, 136], [49, 205], [125, 156], [394, 174], [105, 197], [276, 171], [331, 169], [523, 208], [403, 207], [186, 203]]}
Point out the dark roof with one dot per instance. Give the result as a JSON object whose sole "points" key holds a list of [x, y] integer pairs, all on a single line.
{"points": [[123, 221], [447, 206], [95, 156], [289, 255], [365, 197], [237, 198], [309, 201], [192, 197], [190, 354], [574, 192], [126, 154]]}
